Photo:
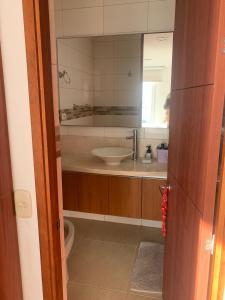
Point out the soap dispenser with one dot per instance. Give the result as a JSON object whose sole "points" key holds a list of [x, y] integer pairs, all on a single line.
{"points": [[148, 155]]}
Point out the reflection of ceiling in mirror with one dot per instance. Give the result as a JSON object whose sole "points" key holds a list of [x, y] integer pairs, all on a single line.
{"points": [[158, 51]]}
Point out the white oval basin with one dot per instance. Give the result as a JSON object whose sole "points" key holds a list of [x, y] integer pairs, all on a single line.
{"points": [[112, 155]]}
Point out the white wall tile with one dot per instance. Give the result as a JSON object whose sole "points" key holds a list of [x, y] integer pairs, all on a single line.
{"points": [[128, 98], [58, 23], [117, 132], [121, 132], [104, 49], [126, 18], [157, 133], [65, 55], [69, 4], [124, 65], [84, 44], [120, 16], [57, 4], [87, 82], [104, 66], [104, 83], [116, 2], [125, 83], [85, 131], [161, 15], [66, 98], [74, 57], [86, 21], [128, 48], [125, 121], [64, 130], [103, 98]]}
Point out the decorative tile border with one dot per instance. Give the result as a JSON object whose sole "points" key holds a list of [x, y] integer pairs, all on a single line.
{"points": [[116, 110], [78, 111], [81, 111]]}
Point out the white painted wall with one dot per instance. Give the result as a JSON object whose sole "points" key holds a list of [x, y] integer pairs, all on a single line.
{"points": [[17, 101]]}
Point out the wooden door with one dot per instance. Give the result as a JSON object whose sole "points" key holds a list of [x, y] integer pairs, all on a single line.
{"points": [[10, 276], [195, 124], [125, 196], [43, 99], [152, 199]]}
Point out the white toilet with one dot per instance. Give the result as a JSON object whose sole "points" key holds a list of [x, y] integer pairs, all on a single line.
{"points": [[69, 239]]}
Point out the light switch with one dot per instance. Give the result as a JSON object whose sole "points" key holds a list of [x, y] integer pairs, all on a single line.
{"points": [[23, 204]]}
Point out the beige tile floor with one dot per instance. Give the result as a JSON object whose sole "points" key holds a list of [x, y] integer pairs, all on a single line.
{"points": [[101, 261]]}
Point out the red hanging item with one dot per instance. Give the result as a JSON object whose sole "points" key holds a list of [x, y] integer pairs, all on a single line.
{"points": [[164, 209]]}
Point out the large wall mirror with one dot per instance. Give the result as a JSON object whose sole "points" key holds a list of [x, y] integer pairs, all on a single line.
{"points": [[115, 81]]}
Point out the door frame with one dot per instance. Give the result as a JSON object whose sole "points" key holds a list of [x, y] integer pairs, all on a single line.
{"points": [[38, 48], [44, 139], [217, 276], [216, 286]]}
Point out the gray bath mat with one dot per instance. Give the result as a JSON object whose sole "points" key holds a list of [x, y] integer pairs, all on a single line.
{"points": [[148, 269]]}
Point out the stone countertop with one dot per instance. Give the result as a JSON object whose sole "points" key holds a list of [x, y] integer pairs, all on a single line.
{"points": [[91, 164]]}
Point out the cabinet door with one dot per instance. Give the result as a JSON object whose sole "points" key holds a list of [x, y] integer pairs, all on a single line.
{"points": [[93, 193], [70, 190], [151, 199], [125, 196], [195, 43]]}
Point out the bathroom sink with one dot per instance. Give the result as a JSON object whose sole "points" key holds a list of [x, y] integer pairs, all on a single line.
{"points": [[112, 155]]}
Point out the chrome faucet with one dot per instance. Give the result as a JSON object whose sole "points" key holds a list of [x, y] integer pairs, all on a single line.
{"points": [[134, 138]]}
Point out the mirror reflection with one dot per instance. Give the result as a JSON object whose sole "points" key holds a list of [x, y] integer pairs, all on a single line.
{"points": [[114, 81], [157, 66]]}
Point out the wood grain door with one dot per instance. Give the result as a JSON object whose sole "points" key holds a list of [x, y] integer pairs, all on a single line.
{"points": [[10, 276], [195, 124]]}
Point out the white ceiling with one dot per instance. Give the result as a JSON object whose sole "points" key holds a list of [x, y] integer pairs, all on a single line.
{"points": [[158, 50]]}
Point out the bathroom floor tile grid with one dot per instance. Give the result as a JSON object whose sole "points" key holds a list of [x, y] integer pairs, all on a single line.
{"points": [[101, 260]]}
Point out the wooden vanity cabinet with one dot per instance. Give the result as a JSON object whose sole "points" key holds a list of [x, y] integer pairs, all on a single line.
{"points": [[93, 193], [85, 192], [125, 196], [70, 190], [120, 196], [151, 199]]}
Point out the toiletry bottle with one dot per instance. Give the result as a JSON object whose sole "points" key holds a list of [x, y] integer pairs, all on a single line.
{"points": [[162, 153], [148, 154]]}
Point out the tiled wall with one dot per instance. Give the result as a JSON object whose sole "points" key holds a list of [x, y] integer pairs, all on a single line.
{"points": [[75, 56], [104, 17], [91, 137], [118, 74], [100, 80], [99, 17]]}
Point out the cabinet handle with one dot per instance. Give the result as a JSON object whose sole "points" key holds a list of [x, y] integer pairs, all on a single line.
{"points": [[163, 187]]}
